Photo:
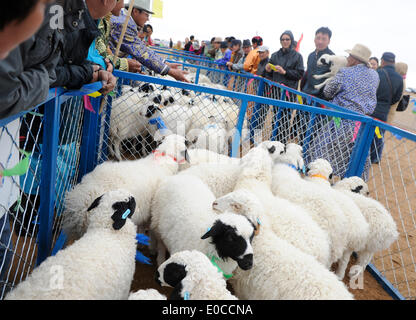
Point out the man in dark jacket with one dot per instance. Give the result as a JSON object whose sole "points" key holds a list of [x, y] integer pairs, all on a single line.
{"points": [[322, 40], [80, 30], [389, 92], [289, 69], [29, 69]]}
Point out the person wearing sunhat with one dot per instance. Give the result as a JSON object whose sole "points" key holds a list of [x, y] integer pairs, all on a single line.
{"points": [[136, 48], [354, 88], [389, 93]]}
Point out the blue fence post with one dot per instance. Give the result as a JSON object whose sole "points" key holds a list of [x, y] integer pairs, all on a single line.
{"points": [[89, 139], [255, 116], [198, 71], [361, 150], [51, 124]]}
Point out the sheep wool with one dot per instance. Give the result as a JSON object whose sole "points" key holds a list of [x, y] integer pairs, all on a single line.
{"points": [[99, 266], [199, 279], [383, 229], [325, 211], [149, 294], [140, 177], [182, 219], [357, 227]]}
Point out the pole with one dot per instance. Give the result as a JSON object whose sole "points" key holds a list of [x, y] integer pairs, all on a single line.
{"points": [[120, 41]]}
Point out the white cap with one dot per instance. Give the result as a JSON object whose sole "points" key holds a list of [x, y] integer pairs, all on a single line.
{"points": [[263, 49]]}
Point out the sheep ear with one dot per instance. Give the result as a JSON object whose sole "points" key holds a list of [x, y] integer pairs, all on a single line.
{"points": [[95, 204], [207, 235], [358, 189], [237, 207], [123, 211], [174, 273]]}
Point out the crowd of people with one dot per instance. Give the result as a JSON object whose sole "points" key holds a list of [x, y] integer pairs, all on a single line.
{"points": [[368, 85]]}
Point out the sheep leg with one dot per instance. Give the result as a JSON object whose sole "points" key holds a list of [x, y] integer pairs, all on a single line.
{"points": [[342, 264], [319, 86], [322, 76], [161, 252], [364, 259]]}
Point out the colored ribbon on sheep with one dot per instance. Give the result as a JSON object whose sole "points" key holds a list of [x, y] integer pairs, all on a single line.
{"points": [[214, 260], [20, 169]]}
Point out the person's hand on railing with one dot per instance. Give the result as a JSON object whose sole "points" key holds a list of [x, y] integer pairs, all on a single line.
{"points": [[110, 67], [134, 66]]}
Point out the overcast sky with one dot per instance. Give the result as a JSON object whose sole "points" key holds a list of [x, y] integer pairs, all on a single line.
{"points": [[381, 25]]}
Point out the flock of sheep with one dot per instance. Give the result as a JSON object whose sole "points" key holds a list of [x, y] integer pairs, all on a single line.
{"points": [[255, 223]]}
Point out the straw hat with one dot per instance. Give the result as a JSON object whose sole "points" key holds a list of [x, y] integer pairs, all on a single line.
{"points": [[360, 52]]}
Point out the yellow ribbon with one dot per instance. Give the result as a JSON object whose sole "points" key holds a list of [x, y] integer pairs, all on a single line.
{"points": [[378, 133]]}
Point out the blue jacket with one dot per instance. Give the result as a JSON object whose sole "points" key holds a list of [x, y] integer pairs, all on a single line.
{"points": [[227, 57]]}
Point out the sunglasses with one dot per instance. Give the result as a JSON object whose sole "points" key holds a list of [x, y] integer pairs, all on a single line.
{"points": [[285, 39]]}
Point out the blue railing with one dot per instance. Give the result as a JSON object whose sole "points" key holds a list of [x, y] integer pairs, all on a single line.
{"points": [[90, 144]]}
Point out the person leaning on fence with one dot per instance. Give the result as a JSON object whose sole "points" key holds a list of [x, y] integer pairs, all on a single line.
{"points": [[236, 53], [226, 54], [354, 88], [101, 43], [264, 55], [322, 40], [27, 68], [133, 46], [148, 31], [253, 59], [389, 93], [20, 87], [289, 70]]}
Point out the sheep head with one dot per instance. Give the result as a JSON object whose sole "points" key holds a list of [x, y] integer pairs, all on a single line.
{"points": [[353, 184], [241, 202], [112, 210], [320, 168], [231, 236]]}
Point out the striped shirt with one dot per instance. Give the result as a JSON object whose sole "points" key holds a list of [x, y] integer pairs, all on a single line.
{"points": [[133, 46]]}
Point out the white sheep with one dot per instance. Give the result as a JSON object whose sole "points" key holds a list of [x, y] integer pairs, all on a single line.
{"points": [[99, 266], [140, 177], [200, 156], [149, 294], [193, 277], [335, 63], [289, 221], [325, 211], [320, 171], [383, 229], [281, 271], [182, 218]]}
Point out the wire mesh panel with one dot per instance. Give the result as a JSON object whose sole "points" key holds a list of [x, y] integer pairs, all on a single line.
{"points": [[21, 161], [141, 111], [393, 183], [20, 186]]}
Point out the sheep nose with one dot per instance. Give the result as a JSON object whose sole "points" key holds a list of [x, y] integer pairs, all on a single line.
{"points": [[247, 262]]}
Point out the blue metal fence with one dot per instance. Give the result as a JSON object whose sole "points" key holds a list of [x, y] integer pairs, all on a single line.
{"points": [[90, 137]]}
